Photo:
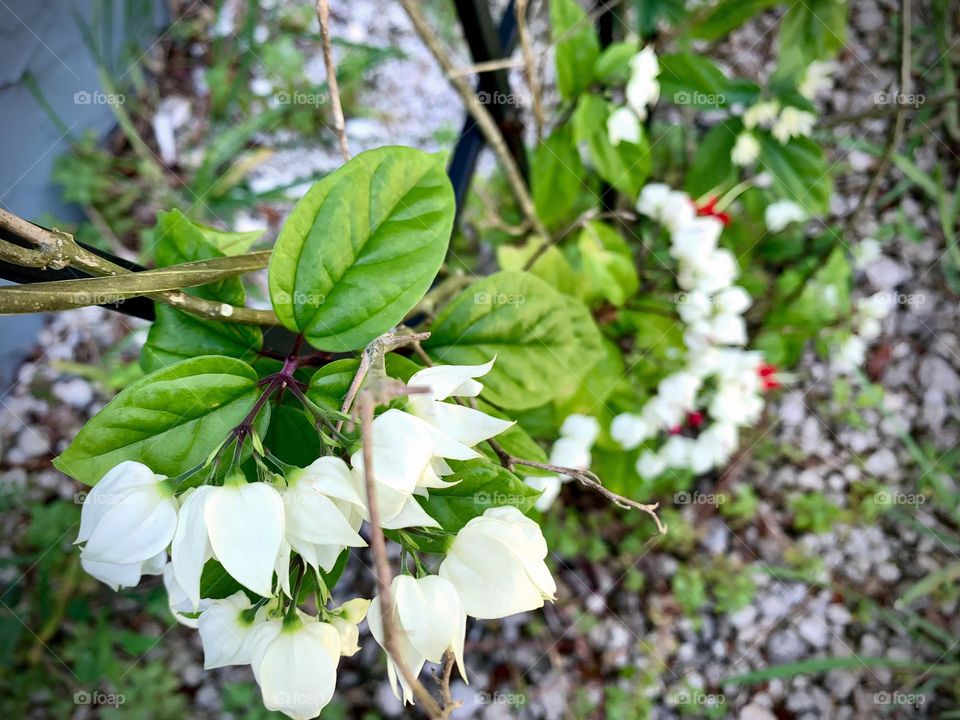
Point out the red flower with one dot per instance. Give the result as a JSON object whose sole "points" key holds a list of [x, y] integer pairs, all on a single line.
{"points": [[710, 209], [695, 419], [768, 376]]}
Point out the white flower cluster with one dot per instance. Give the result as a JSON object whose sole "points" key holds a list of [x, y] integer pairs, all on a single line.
{"points": [[701, 406], [494, 567], [642, 91], [578, 433], [867, 317], [783, 122]]}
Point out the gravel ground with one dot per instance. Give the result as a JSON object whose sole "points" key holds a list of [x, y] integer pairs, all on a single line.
{"points": [[600, 634]]}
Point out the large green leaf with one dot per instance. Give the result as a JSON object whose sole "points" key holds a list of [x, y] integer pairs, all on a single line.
{"points": [[169, 420], [693, 80], [361, 247], [625, 166], [559, 179], [481, 485], [799, 170], [543, 341], [576, 46], [551, 266], [607, 264], [728, 15]]}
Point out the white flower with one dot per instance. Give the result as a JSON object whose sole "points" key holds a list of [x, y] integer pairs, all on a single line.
{"points": [[710, 274], [570, 453], [762, 114], [816, 78], [629, 430], [694, 306], [582, 428], [793, 122], [850, 354], [177, 600], [623, 125], [429, 620], [549, 487], [496, 563], [323, 511], [681, 389], [454, 429], [295, 664], [746, 149], [732, 301], [346, 619], [676, 452], [651, 200], [403, 451], [240, 524], [866, 252], [662, 412], [650, 465], [713, 447], [696, 239], [225, 627], [736, 403], [677, 210], [126, 523], [781, 213], [643, 89]]}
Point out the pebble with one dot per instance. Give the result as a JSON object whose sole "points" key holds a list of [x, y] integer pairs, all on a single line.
{"points": [[882, 464], [814, 630], [785, 646]]}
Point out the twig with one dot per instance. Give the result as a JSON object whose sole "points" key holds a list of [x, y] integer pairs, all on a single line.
{"points": [[382, 566], [486, 123], [488, 66], [58, 250], [374, 352], [588, 479], [898, 125], [533, 82], [339, 124]]}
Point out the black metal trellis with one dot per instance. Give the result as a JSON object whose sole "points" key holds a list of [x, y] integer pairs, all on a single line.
{"points": [[493, 87]]}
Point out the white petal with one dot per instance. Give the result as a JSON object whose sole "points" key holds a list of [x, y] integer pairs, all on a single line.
{"points": [[111, 574], [451, 380], [298, 670], [466, 425], [135, 529], [246, 525], [190, 549], [106, 494], [410, 515], [224, 633]]}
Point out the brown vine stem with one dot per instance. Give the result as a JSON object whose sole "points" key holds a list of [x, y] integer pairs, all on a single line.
{"points": [[898, 124], [57, 250], [533, 81], [381, 565], [339, 124], [486, 123], [585, 478]]}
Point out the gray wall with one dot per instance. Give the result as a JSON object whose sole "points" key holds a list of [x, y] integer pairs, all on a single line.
{"points": [[42, 40]]}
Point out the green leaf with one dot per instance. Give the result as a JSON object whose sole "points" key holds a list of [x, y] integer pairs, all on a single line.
{"points": [[176, 335], [482, 485], [694, 81], [728, 15], [552, 266], [625, 166], [361, 247], [170, 420], [558, 179], [576, 45], [712, 166], [329, 384], [613, 65], [292, 436], [607, 263], [811, 30], [650, 13], [543, 341], [229, 242], [799, 170]]}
